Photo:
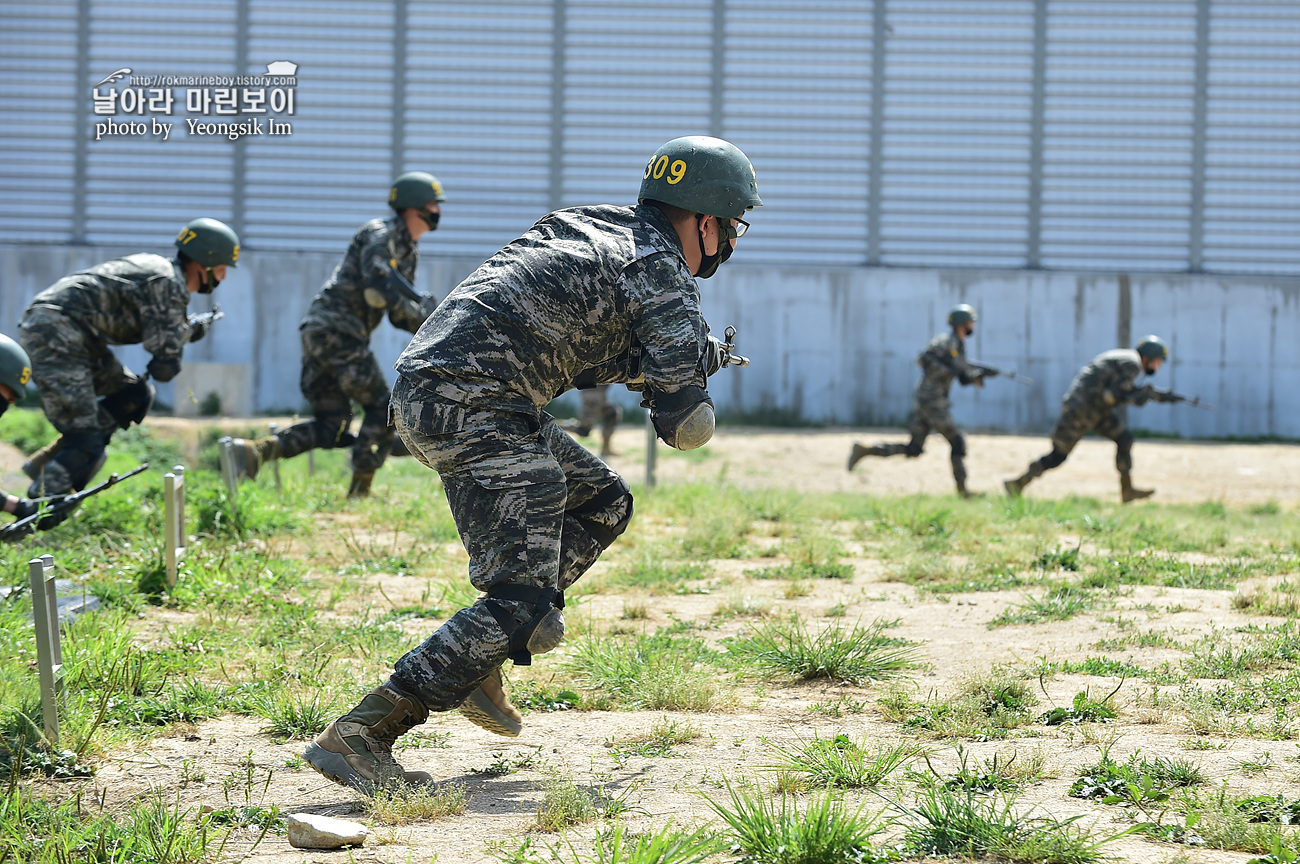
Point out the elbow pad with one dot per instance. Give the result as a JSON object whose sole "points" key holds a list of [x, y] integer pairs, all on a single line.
{"points": [[684, 420]]}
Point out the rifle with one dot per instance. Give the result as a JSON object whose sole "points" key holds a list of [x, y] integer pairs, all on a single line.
{"points": [[60, 504], [993, 372], [401, 286], [206, 318], [728, 346], [1169, 396]]}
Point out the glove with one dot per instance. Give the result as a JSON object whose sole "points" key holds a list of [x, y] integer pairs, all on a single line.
{"points": [[24, 508], [163, 368], [713, 355], [1108, 397], [198, 330]]}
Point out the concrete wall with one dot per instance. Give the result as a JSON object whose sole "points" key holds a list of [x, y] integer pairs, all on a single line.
{"points": [[838, 344]]}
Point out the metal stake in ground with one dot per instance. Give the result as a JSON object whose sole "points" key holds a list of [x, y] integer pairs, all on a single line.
{"points": [[227, 459], [49, 651], [651, 451], [174, 521], [275, 465]]}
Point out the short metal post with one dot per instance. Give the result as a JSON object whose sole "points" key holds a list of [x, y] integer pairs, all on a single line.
{"points": [[174, 519], [275, 463], [224, 448], [49, 651], [651, 451]]}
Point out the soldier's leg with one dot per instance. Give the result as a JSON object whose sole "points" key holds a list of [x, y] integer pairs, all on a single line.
{"points": [[918, 429], [1114, 428], [957, 442], [361, 379], [609, 417], [1071, 427]]}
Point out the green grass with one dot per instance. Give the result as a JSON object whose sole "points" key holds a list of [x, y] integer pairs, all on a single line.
{"points": [[838, 762], [656, 673], [786, 648]]}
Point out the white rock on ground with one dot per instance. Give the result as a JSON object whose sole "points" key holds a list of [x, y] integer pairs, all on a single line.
{"points": [[310, 831]]}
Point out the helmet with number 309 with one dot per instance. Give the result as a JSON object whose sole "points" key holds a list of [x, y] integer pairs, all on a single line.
{"points": [[701, 174]]}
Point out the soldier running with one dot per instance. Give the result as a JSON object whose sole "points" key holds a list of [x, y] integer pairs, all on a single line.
{"points": [[373, 280], [1092, 405], [68, 327], [588, 295], [596, 408], [943, 359]]}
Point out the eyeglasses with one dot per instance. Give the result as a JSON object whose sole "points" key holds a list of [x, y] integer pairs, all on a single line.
{"points": [[731, 232]]}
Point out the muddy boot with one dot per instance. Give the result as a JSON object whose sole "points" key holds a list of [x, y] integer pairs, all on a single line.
{"points": [[1016, 486], [36, 462], [250, 456], [490, 707], [360, 485], [966, 493], [1127, 493], [356, 750]]}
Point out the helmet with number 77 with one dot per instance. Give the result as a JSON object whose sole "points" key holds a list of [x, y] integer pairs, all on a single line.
{"points": [[701, 174], [209, 242], [15, 366]]}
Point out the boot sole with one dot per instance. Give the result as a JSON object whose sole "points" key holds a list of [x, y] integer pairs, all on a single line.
{"points": [[332, 766], [481, 711]]}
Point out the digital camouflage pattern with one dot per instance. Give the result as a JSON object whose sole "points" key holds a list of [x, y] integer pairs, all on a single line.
{"points": [[337, 369], [68, 327], [1092, 402], [570, 297], [533, 508], [355, 298], [942, 360]]}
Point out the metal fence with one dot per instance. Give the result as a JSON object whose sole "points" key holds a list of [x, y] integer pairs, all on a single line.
{"points": [[1158, 135]]}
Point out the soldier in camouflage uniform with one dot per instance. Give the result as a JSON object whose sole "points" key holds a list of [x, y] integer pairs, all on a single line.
{"points": [[1092, 404], [372, 281], [15, 372], [596, 408], [68, 327], [587, 296], [943, 359]]}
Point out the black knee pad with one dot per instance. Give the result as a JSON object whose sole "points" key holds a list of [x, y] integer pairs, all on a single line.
{"points": [[331, 431], [376, 414], [81, 458], [131, 403], [617, 498], [1053, 459], [959, 446], [913, 449], [544, 628]]}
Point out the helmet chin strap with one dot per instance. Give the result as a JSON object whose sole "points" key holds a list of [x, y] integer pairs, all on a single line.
{"points": [[210, 284], [709, 264]]}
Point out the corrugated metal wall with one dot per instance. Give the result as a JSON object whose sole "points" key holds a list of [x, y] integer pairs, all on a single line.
{"points": [[1158, 135]]}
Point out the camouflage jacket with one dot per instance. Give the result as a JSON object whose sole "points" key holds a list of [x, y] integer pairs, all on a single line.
{"points": [[356, 297], [943, 359], [571, 299], [1112, 372], [139, 299]]}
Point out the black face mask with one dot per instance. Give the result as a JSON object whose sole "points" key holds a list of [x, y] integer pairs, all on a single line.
{"points": [[4, 405], [212, 282], [430, 219], [709, 264]]}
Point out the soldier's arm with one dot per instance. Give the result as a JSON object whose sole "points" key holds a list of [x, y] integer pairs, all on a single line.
{"points": [[376, 272], [164, 326], [406, 315]]}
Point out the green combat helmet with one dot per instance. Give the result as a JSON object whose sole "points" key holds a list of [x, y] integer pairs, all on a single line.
{"points": [[962, 314], [701, 174], [415, 189], [1153, 347], [15, 366], [209, 242]]}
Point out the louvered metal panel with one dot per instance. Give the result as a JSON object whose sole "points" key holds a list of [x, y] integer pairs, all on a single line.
{"points": [[958, 83], [1252, 183], [636, 74], [141, 189], [1117, 181], [797, 100], [478, 115], [38, 51], [311, 189]]}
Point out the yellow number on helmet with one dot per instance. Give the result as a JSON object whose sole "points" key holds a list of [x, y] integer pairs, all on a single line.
{"points": [[26, 376], [661, 166], [392, 195], [234, 256], [186, 235], [676, 172], [437, 188]]}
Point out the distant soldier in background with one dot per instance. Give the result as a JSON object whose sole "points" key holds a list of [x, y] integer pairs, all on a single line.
{"points": [[943, 359], [374, 279], [68, 327], [1092, 405], [596, 407], [15, 372]]}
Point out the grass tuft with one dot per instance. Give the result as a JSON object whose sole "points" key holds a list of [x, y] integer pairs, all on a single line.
{"points": [[852, 655]]}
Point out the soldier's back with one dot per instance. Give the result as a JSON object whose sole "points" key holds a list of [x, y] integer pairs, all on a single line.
{"points": [[937, 373], [341, 305], [107, 299], [1103, 372]]}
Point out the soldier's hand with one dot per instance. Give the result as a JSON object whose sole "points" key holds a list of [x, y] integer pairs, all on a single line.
{"points": [[198, 330], [163, 368], [713, 355]]}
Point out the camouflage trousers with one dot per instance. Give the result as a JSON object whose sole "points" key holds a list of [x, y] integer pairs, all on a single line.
{"points": [[533, 509], [1078, 420], [338, 369], [596, 408], [72, 369], [929, 417]]}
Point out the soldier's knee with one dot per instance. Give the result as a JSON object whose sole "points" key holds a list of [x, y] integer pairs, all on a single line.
{"points": [[1053, 459], [131, 403], [532, 618], [958, 442], [914, 448], [606, 516], [1124, 441]]}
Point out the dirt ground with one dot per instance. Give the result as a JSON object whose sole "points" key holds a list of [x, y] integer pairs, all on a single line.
{"points": [[953, 634]]}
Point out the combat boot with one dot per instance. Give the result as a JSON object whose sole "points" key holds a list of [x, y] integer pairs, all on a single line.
{"points": [[360, 485], [966, 493], [607, 445], [490, 707], [250, 456], [356, 750], [1016, 486], [856, 454], [1127, 493], [36, 462]]}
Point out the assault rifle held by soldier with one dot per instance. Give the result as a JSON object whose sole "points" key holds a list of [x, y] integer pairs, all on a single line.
{"points": [[201, 321], [993, 372], [1143, 395], [59, 506]]}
